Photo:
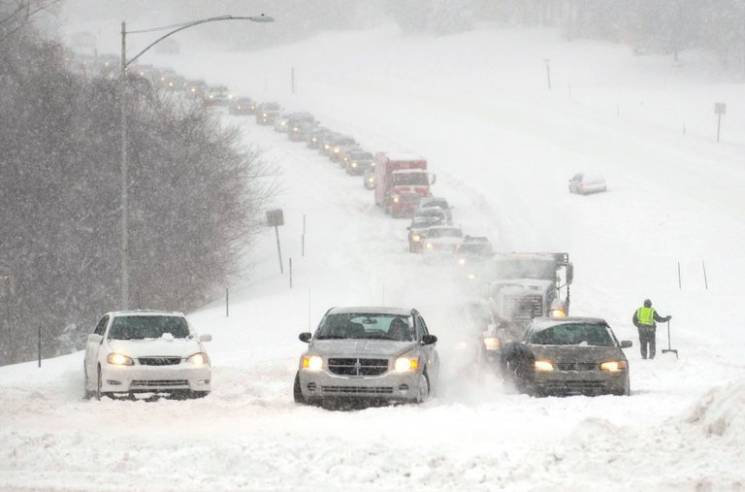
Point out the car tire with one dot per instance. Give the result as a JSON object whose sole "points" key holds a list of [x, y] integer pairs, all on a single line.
{"points": [[423, 388], [297, 392], [87, 394], [198, 394], [99, 383]]}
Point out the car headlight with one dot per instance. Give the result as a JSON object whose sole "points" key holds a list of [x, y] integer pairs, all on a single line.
{"points": [[312, 362], [429, 246], [265, 115], [396, 198], [198, 359], [471, 276], [543, 365], [371, 179], [461, 261], [558, 313], [492, 343], [613, 366], [336, 150], [314, 139], [416, 238], [119, 359], [354, 164], [406, 364]]}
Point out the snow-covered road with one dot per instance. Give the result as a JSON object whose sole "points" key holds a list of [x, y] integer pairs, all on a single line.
{"points": [[503, 149]]}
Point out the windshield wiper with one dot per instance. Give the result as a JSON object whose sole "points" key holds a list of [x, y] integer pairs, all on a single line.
{"points": [[332, 337]]}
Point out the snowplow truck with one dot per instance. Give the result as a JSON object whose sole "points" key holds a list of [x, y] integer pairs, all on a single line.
{"points": [[529, 285], [401, 180]]}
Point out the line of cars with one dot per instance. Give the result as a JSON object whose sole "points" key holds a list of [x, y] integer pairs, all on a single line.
{"points": [[519, 321]]}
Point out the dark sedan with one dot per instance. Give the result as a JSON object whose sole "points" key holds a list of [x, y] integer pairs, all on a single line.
{"points": [[569, 356]]}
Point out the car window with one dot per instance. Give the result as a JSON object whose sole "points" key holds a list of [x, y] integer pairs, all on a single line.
{"points": [[366, 326], [101, 326], [144, 327], [588, 334]]}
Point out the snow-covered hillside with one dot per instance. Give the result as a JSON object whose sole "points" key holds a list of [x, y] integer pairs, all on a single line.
{"points": [[503, 147]]}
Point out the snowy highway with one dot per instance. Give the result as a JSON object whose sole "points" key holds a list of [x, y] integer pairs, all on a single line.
{"points": [[503, 149]]}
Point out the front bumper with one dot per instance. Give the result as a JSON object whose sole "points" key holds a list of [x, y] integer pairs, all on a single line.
{"points": [[153, 379], [320, 385], [594, 382]]}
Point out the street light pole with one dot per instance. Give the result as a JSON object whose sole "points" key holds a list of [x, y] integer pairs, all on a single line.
{"points": [[124, 246]]}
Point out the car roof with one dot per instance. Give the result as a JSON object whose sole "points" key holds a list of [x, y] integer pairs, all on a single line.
{"points": [[144, 312], [395, 311], [543, 323]]}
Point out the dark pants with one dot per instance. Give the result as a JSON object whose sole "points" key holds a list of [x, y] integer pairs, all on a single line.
{"points": [[647, 339]]}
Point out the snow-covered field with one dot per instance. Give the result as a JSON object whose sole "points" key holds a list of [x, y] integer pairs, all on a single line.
{"points": [[503, 147]]}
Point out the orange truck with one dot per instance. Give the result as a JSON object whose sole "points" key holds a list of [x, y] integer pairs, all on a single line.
{"points": [[400, 181]]}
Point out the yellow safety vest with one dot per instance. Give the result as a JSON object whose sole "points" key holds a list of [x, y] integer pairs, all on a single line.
{"points": [[645, 316]]}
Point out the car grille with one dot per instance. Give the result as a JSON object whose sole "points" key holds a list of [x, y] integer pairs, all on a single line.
{"points": [[577, 366], [159, 383], [159, 361], [525, 307], [358, 367], [356, 390], [574, 386]]}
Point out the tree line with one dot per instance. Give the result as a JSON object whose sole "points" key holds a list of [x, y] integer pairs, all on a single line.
{"points": [[195, 197]]}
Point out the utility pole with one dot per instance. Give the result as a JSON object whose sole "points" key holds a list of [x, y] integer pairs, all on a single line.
{"points": [[548, 72]]}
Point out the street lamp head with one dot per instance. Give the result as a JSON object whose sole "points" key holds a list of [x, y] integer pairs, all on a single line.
{"points": [[261, 18]]}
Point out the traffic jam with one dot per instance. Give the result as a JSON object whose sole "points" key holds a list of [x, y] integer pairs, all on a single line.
{"points": [[521, 312]]}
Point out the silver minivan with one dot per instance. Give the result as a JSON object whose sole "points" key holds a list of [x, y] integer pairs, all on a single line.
{"points": [[368, 353]]}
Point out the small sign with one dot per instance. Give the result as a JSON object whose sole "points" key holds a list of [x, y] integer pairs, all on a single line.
{"points": [[275, 218], [720, 108]]}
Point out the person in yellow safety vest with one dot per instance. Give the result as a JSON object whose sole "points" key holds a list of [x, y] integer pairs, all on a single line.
{"points": [[645, 319]]}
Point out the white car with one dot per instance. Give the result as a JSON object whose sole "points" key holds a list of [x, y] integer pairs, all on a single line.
{"points": [[583, 184], [441, 239], [146, 352]]}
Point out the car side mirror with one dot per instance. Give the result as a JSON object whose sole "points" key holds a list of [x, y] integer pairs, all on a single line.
{"points": [[429, 339], [433, 179], [305, 337], [626, 344], [93, 338], [205, 338]]}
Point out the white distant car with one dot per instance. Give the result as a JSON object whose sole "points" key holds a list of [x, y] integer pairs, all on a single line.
{"points": [[441, 239], [146, 352], [583, 184]]}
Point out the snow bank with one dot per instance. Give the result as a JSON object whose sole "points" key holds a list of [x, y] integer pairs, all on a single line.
{"points": [[720, 413]]}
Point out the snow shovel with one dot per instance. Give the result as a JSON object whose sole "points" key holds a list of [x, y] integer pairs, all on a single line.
{"points": [[669, 349]]}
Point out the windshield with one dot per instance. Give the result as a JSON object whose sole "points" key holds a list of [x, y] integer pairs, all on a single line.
{"points": [[271, 107], [373, 326], [409, 179], [362, 156], [435, 203], [426, 220], [475, 249], [445, 232], [585, 334], [535, 269], [141, 327]]}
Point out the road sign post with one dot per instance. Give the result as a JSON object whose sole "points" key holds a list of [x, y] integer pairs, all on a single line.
{"points": [[720, 108], [275, 218]]}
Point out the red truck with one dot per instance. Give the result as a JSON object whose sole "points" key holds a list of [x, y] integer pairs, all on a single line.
{"points": [[400, 181]]}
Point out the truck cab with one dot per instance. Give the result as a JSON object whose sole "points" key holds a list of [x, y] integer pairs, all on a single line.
{"points": [[524, 286], [401, 180]]}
